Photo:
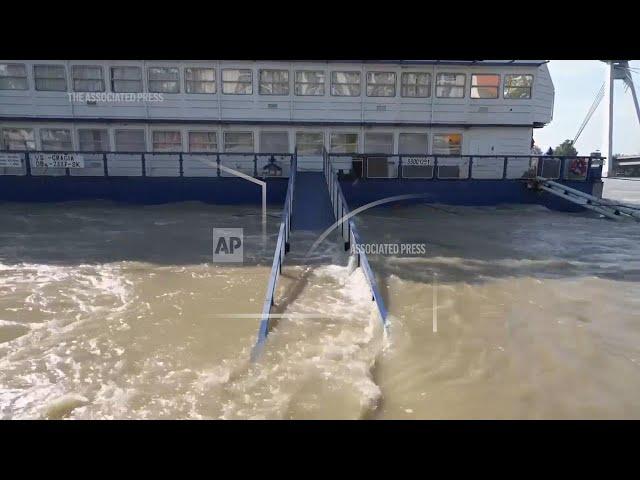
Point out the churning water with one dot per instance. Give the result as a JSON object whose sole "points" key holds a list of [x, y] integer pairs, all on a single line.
{"points": [[116, 311]]}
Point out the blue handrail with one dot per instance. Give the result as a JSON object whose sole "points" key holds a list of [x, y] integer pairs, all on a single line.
{"points": [[350, 234], [282, 248]]}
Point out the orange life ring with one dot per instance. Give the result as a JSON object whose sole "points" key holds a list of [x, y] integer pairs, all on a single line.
{"points": [[578, 167]]}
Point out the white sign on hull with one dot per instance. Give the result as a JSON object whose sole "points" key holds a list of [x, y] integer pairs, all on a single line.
{"points": [[10, 160], [57, 160]]}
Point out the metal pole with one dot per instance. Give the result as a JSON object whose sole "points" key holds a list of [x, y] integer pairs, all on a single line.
{"points": [[264, 212], [608, 150]]}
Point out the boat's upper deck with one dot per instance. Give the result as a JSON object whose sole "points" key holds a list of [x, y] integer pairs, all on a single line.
{"points": [[356, 92]]}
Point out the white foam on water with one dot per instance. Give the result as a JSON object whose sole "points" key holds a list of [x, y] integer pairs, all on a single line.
{"points": [[40, 369], [310, 368]]}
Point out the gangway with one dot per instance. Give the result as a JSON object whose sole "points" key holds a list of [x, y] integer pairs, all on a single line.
{"points": [[608, 208], [314, 200]]}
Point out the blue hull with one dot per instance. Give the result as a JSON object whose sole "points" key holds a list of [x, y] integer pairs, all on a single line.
{"points": [[155, 190]]}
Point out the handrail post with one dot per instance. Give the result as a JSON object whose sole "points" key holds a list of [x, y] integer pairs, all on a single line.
{"points": [[218, 163], [470, 172], [144, 165], [181, 167], [504, 168], [105, 165], [399, 166], [255, 165], [27, 164]]}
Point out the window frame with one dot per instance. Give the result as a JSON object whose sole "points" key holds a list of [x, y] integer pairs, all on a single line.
{"points": [[280, 70], [394, 84], [113, 80], [41, 130], [463, 86], [107, 147], [472, 86], [427, 136], [163, 131], [417, 85], [296, 83], [225, 82], [504, 86], [63, 77], [74, 79], [359, 84], [439, 134], [389, 133], [250, 132], [214, 132], [332, 133], [310, 132], [280, 132], [6, 147], [144, 139], [151, 81], [187, 81], [26, 77]]}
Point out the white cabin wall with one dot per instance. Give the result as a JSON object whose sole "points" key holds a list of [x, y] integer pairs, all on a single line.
{"points": [[543, 94], [291, 108]]}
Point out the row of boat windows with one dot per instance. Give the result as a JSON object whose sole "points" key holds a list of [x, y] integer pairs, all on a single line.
{"points": [[128, 79], [307, 142]]}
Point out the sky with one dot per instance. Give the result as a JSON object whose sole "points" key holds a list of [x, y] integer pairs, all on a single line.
{"points": [[576, 83]]}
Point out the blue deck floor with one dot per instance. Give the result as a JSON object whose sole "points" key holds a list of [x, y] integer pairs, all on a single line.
{"points": [[312, 209]]}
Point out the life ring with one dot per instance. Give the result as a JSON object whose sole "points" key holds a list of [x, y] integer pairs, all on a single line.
{"points": [[578, 167]]}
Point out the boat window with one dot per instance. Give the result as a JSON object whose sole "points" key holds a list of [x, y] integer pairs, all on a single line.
{"points": [[274, 82], [450, 85], [378, 142], [310, 82], [200, 80], [237, 82], [518, 86], [93, 140], [413, 144], [164, 80], [13, 76], [130, 141], [167, 141], [274, 142], [203, 142], [50, 78], [345, 84], [18, 139], [126, 79], [381, 84], [238, 141], [485, 86], [309, 143], [87, 78], [56, 139], [447, 144], [344, 142], [415, 84]]}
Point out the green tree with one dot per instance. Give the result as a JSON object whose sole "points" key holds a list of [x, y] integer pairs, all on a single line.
{"points": [[566, 149]]}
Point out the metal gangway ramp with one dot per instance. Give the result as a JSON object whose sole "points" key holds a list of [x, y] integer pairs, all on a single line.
{"points": [[609, 208], [314, 202]]}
